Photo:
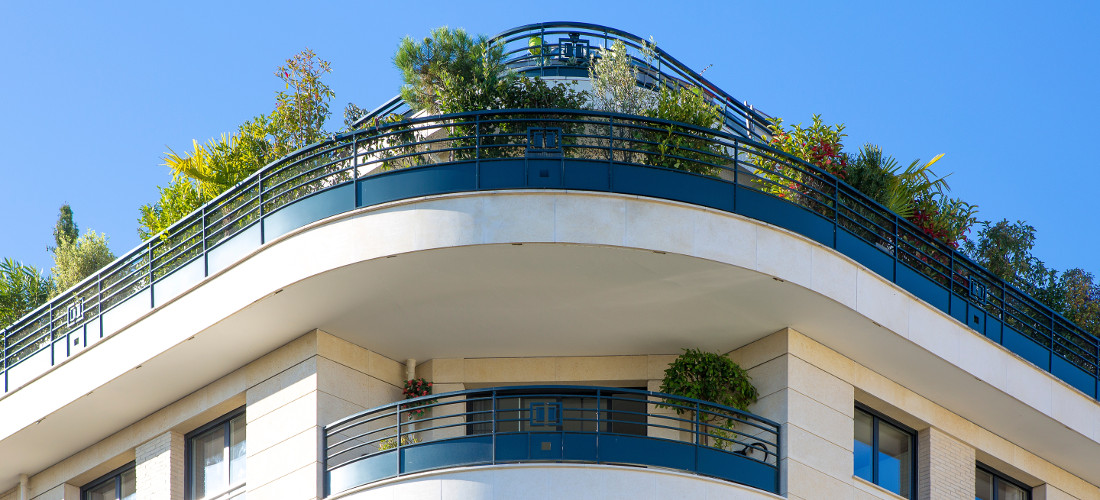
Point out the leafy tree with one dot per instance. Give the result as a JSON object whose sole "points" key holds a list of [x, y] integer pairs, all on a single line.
{"points": [[446, 62], [76, 260], [1004, 249], [709, 376], [615, 78], [22, 288], [301, 110], [209, 169], [352, 114], [178, 199], [65, 231], [1080, 299], [679, 147]]}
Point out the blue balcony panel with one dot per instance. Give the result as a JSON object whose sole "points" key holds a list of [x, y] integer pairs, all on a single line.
{"points": [[313, 208], [454, 452], [782, 213], [672, 185], [874, 258], [928, 290], [415, 182], [231, 250], [1026, 347], [1073, 375]]}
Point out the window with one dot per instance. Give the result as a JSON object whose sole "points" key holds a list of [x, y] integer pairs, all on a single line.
{"points": [[215, 459], [885, 452], [992, 485], [119, 484]]}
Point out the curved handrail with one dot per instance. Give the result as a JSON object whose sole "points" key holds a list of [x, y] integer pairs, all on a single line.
{"points": [[693, 164], [739, 117], [669, 70], [584, 424]]}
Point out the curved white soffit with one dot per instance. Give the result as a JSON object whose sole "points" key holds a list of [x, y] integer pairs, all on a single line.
{"points": [[785, 279]]}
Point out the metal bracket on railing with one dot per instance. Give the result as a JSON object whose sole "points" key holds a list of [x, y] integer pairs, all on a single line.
{"points": [[978, 292], [544, 143], [573, 49], [545, 414]]}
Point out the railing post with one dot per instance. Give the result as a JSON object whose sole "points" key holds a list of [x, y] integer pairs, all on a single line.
{"points": [[50, 335], [260, 207], [4, 362], [836, 208], [149, 269], [354, 170], [400, 463], [599, 410], [477, 149], [324, 462], [202, 235], [493, 424], [951, 289], [610, 152]]}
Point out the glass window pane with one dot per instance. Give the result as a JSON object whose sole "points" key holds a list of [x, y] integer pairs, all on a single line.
{"points": [[894, 459], [983, 485], [236, 450], [129, 485], [1009, 491], [207, 463], [105, 491], [863, 441]]}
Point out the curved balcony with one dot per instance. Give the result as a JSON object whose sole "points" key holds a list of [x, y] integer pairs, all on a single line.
{"points": [[592, 425], [564, 49], [544, 149]]}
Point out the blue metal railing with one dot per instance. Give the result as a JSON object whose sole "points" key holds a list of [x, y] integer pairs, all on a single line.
{"points": [[544, 149], [566, 49], [551, 424]]}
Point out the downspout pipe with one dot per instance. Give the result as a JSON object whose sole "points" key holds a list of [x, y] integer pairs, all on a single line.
{"points": [[24, 487]]}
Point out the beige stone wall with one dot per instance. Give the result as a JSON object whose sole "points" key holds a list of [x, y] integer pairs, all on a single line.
{"points": [[292, 392], [289, 394], [812, 390], [160, 467], [945, 466], [287, 412]]}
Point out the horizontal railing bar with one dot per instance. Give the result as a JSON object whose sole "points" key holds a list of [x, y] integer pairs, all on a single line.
{"points": [[585, 135]]}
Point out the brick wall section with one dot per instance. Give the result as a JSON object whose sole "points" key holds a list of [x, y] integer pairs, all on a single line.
{"points": [[945, 467], [160, 468]]}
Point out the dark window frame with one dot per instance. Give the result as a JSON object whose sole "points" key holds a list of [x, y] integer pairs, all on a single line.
{"points": [[115, 476], [878, 418], [1000, 476], [188, 473]]}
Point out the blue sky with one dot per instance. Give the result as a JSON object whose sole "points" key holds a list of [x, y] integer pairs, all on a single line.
{"points": [[93, 95]]}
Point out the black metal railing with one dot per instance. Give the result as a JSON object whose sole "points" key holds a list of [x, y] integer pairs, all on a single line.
{"points": [[551, 424], [545, 149]]}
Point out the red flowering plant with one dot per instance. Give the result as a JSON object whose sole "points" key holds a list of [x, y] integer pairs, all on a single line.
{"points": [[819, 145], [415, 388]]}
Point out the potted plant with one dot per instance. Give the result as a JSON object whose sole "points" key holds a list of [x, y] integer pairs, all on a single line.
{"points": [[714, 378], [415, 388]]}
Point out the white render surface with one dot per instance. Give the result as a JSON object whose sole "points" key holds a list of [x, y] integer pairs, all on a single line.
{"points": [[553, 481]]}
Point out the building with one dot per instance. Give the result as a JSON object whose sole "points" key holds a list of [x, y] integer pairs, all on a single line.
{"points": [[542, 269]]}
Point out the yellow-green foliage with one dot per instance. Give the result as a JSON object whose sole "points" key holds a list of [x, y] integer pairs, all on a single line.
{"points": [[75, 260], [22, 288]]}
